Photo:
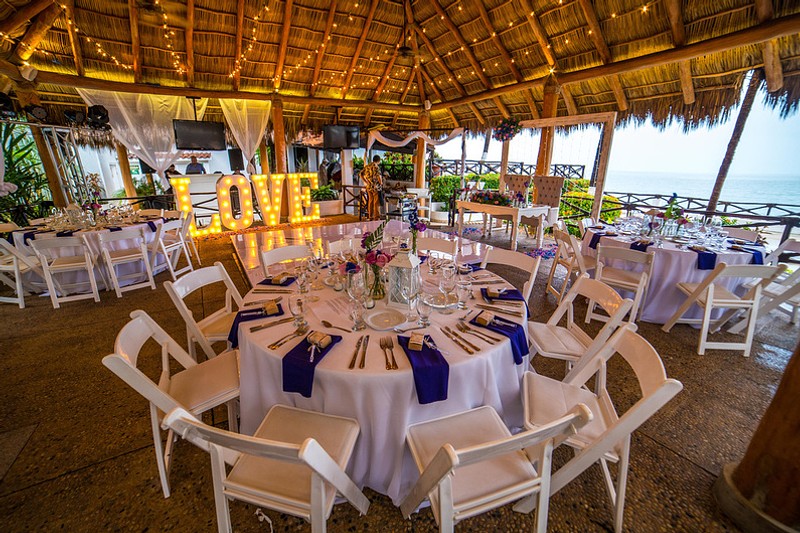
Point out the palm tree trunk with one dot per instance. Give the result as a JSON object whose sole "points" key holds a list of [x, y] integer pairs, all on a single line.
{"points": [[738, 128], [486, 142]]}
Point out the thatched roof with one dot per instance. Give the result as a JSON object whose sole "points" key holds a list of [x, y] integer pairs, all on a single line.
{"points": [[478, 60]]}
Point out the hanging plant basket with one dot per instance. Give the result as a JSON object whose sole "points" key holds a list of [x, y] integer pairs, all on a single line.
{"points": [[506, 130]]}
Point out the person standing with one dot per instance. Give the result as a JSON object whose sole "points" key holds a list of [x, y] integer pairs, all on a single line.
{"points": [[194, 167], [373, 181]]}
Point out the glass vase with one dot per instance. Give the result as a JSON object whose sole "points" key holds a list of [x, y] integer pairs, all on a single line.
{"points": [[377, 289]]}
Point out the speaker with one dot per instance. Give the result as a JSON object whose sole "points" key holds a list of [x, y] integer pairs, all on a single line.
{"points": [[76, 117], [235, 159], [144, 168], [7, 107], [97, 115]]}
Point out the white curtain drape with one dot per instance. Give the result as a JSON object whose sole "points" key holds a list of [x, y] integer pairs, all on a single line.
{"points": [[378, 136], [247, 120], [143, 123]]}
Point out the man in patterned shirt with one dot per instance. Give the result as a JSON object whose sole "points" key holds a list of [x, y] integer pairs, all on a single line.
{"points": [[373, 181]]}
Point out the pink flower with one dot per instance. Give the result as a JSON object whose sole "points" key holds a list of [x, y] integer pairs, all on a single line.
{"points": [[382, 260], [371, 257]]}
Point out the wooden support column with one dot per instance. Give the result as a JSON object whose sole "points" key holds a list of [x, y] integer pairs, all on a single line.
{"points": [[263, 155], [279, 137], [773, 71], [602, 166], [549, 110], [504, 164], [60, 198], [125, 169], [136, 44], [189, 38], [23, 15], [419, 159], [35, 33]]}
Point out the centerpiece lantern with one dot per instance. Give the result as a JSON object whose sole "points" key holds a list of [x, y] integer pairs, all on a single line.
{"points": [[403, 272]]}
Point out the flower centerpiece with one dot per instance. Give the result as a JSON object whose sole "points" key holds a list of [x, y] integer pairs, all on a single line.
{"points": [[415, 225], [95, 192], [672, 216], [375, 259], [506, 130], [491, 198]]}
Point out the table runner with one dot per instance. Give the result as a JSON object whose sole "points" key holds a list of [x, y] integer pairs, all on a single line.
{"points": [[298, 371], [430, 369]]}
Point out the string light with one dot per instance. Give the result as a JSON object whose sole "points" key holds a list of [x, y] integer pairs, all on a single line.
{"points": [[243, 56]]}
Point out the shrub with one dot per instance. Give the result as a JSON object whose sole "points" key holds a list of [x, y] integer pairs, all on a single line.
{"points": [[23, 169], [583, 200], [324, 193]]}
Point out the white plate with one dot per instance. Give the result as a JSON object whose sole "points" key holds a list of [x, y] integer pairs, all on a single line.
{"points": [[383, 319]]}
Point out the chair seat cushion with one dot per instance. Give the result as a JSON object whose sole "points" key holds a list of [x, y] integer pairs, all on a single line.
{"points": [[612, 275], [720, 293], [131, 254], [289, 484], [217, 327], [475, 482], [208, 384], [555, 341], [549, 399], [68, 262]]}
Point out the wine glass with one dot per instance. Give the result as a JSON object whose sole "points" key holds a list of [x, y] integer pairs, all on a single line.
{"points": [[357, 312], [424, 308], [297, 306], [463, 292], [447, 284], [301, 276], [410, 292], [356, 286]]}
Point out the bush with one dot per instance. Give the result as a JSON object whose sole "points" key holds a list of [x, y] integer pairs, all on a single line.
{"points": [[23, 169], [324, 193], [577, 185], [584, 200], [442, 187]]}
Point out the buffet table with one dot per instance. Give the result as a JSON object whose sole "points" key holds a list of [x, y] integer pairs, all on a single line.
{"points": [[383, 401], [515, 214], [671, 264]]}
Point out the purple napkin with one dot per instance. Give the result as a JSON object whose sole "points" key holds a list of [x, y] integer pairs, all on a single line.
{"points": [[152, 226], [509, 294], [114, 228], [512, 330], [596, 239], [431, 371], [27, 236], [65, 233], [298, 371], [246, 316], [288, 281], [640, 246], [758, 257], [705, 260]]}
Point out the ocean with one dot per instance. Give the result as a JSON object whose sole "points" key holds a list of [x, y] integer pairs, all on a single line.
{"points": [[777, 189]]}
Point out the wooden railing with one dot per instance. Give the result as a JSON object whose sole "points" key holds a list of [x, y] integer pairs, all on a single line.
{"points": [[453, 166]]}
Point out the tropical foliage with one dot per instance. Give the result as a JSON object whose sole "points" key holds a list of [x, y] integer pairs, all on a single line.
{"points": [[326, 192], [24, 169]]}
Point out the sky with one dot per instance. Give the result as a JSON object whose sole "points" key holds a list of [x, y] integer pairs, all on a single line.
{"points": [[770, 145]]}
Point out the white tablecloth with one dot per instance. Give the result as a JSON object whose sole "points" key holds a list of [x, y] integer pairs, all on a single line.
{"points": [[384, 402], [671, 265]]}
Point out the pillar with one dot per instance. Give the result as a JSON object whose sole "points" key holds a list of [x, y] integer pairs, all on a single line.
{"points": [[279, 136], [549, 110], [60, 197], [504, 165], [125, 169], [419, 156], [263, 155]]}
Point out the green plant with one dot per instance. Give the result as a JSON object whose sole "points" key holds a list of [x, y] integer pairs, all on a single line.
{"points": [[301, 164], [324, 193], [143, 188], [576, 185], [573, 204], [358, 163], [23, 169]]}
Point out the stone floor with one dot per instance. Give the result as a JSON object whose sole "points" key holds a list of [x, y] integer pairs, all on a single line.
{"points": [[76, 451]]}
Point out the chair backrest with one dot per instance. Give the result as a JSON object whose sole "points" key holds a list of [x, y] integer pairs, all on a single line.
{"points": [[584, 224], [787, 246], [134, 233], [657, 389], [421, 193], [172, 227], [10, 250], [741, 233], [125, 359], [601, 294], [5, 227], [517, 260], [337, 247], [624, 254], [564, 251], [285, 253], [45, 246], [577, 256], [549, 190], [435, 244], [151, 212], [172, 214], [517, 184]]}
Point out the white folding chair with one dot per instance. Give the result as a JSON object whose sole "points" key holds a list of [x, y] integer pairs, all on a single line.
{"points": [[518, 260], [470, 463], [787, 246], [337, 247], [151, 212], [279, 255], [116, 252], [197, 387], [172, 244], [423, 201], [782, 294], [5, 227], [172, 213], [435, 244], [584, 224], [711, 293], [583, 262], [741, 233], [294, 463], [629, 279], [216, 325], [608, 436], [63, 255], [569, 342], [563, 259], [14, 265]]}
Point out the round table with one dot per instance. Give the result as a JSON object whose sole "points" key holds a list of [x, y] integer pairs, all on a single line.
{"points": [[384, 402], [671, 264]]}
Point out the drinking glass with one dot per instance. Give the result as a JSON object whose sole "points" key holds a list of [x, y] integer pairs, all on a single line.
{"points": [[447, 285], [301, 275], [424, 308], [297, 306], [357, 312], [356, 285], [410, 292], [463, 291]]}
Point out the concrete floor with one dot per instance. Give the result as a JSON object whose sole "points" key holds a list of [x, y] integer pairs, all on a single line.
{"points": [[76, 451]]}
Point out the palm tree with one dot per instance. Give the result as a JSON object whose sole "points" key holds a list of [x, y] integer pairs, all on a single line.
{"points": [[738, 128]]}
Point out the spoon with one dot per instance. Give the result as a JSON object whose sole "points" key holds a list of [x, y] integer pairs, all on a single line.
{"points": [[329, 325]]}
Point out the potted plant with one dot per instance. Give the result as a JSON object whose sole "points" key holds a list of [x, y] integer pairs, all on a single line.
{"points": [[328, 200]]}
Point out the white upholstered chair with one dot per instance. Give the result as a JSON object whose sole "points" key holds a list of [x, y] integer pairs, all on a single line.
{"points": [[607, 438], [569, 342], [66, 255], [711, 293], [126, 247], [294, 463], [196, 388], [635, 278], [470, 463], [215, 326], [526, 263]]}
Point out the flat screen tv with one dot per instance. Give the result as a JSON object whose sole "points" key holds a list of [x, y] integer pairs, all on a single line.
{"points": [[340, 137], [199, 135]]}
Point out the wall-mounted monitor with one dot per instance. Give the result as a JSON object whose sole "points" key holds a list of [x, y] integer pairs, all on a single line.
{"points": [[199, 135], [340, 137]]}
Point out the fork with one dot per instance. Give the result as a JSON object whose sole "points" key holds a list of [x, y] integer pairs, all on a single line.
{"points": [[384, 345], [462, 328], [283, 340], [390, 345]]}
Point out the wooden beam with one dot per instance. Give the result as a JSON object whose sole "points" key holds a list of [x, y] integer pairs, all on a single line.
{"points": [[60, 198], [320, 55], [125, 170], [189, 38], [602, 166], [586, 118], [773, 70], [74, 41], [35, 33], [456, 33], [687, 86], [237, 62], [23, 15], [136, 43], [595, 31], [764, 10], [675, 14], [773, 29], [569, 101], [287, 27], [549, 109], [405, 93], [538, 32], [279, 136], [357, 53], [381, 84], [421, 151], [619, 92], [440, 95]]}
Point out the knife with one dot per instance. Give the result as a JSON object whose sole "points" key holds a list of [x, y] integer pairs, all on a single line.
{"points": [[355, 353], [462, 339], [258, 302], [500, 310], [458, 342], [364, 352], [270, 324]]}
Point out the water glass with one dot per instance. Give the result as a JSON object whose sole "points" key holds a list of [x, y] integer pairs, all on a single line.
{"points": [[357, 311], [410, 293], [356, 286], [447, 286], [297, 306], [463, 291], [424, 309]]}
